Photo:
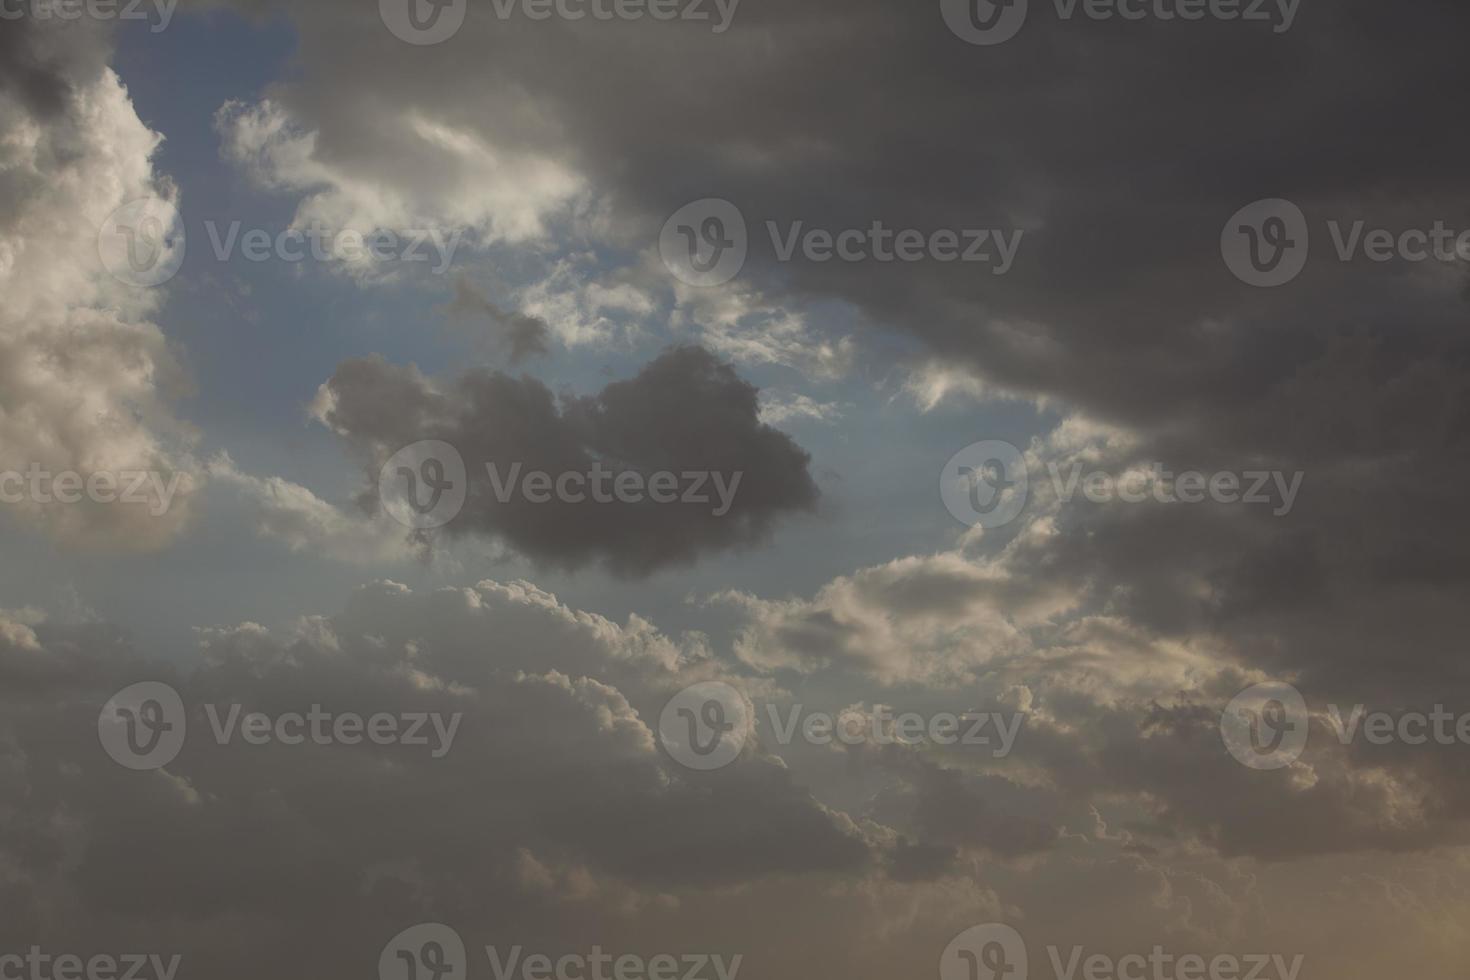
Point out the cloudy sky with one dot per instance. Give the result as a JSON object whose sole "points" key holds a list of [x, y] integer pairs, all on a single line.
{"points": [[1071, 401]]}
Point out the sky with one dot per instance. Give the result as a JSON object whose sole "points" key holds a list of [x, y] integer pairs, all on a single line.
{"points": [[1001, 509]]}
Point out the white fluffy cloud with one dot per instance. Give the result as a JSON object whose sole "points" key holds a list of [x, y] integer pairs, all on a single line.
{"points": [[85, 376], [497, 195]]}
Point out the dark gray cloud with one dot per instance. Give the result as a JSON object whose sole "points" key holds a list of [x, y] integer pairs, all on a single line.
{"points": [[553, 795], [685, 413], [33, 68], [516, 335]]}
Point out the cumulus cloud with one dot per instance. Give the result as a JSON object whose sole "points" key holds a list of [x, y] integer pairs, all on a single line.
{"points": [[553, 796], [85, 375], [556, 812], [297, 518], [685, 414]]}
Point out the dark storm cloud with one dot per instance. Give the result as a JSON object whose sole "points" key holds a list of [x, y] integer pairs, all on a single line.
{"points": [[684, 413]]}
